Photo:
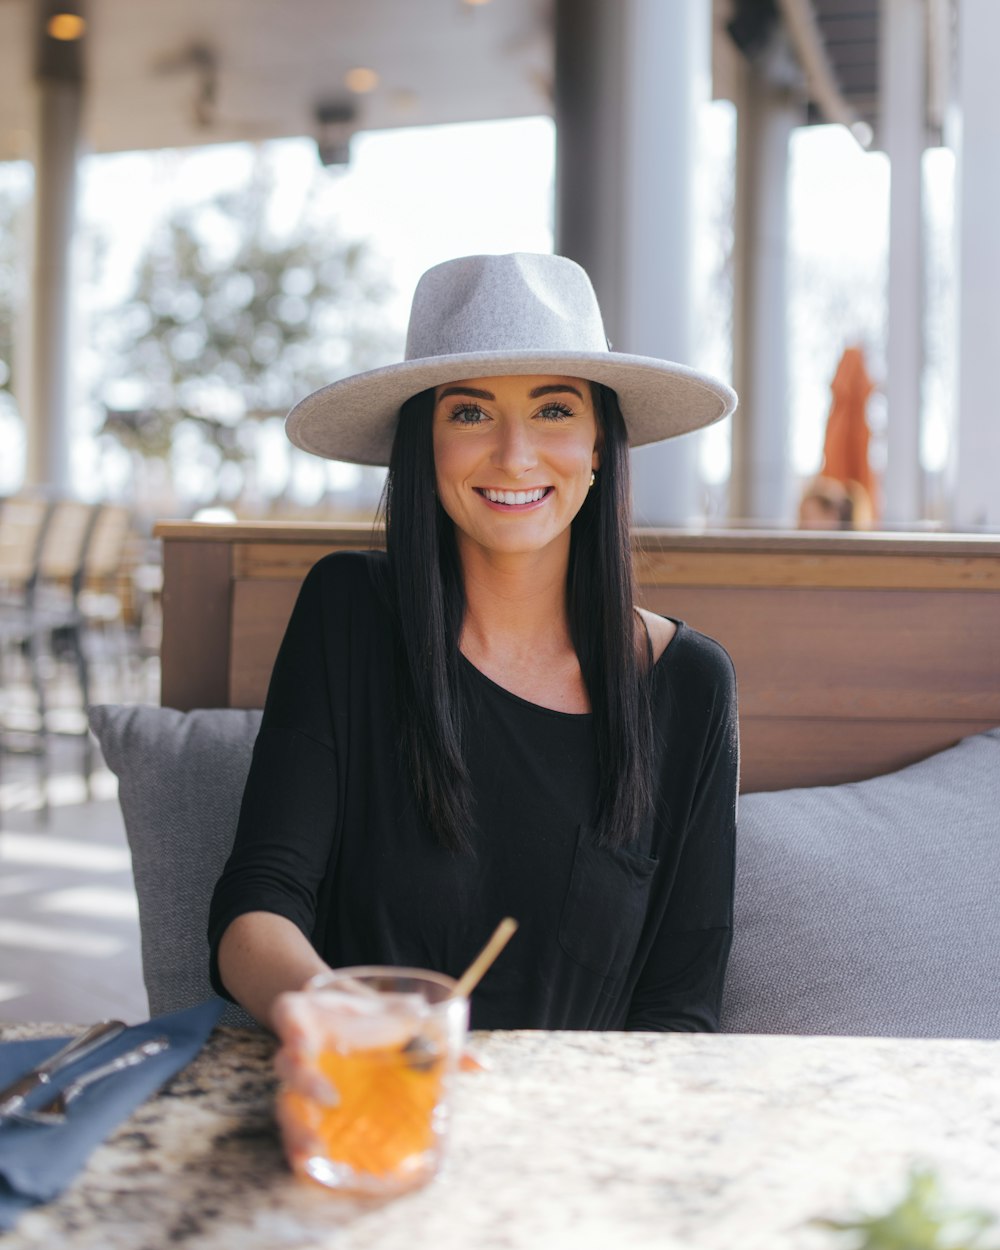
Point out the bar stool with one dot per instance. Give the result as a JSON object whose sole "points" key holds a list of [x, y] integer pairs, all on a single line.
{"points": [[23, 522], [37, 608], [56, 601], [104, 597]]}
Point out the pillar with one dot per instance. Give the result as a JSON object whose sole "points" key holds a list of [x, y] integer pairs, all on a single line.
{"points": [[902, 134], [976, 467], [59, 91], [630, 77], [762, 482]]}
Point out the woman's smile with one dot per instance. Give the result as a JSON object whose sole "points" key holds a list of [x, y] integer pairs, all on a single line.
{"points": [[514, 500]]}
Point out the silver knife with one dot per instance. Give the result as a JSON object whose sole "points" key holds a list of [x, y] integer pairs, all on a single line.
{"points": [[12, 1098]]}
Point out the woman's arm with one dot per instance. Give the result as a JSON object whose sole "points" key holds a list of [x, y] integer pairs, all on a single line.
{"points": [[262, 955], [680, 986], [264, 908]]}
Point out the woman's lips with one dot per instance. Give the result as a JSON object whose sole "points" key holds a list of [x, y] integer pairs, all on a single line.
{"points": [[512, 500]]}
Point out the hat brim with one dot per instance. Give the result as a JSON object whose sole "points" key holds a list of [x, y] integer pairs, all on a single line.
{"points": [[355, 418]]}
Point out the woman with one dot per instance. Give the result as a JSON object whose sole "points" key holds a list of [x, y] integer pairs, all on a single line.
{"points": [[480, 723]]}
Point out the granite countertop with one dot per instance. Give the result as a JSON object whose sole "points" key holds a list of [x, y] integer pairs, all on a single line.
{"points": [[585, 1140]]}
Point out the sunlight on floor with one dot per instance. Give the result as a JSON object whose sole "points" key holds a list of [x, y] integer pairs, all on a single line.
{"points": [[42, 848], [100, 902], [70, 946], [75, 942], [64, 790], [11, 887]]}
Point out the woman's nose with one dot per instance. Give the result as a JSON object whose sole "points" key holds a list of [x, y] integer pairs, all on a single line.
{"points": [[515, 449]]}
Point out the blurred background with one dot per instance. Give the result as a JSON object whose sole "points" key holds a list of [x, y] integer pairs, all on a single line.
{"points": [[210, 207]]}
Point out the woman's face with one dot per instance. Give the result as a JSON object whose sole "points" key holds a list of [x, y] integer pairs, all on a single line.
{"points": [[513, 458]]}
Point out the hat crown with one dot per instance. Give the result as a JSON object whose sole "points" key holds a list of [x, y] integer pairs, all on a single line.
{"points": [[514, 303]]}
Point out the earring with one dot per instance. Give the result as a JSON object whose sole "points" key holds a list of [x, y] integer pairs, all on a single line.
{"points": [[593, 478]]}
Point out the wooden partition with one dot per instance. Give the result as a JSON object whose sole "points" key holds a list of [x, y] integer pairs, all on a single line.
{"points": [[855, 653]]}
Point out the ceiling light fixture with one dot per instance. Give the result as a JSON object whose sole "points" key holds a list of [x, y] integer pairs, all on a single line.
{"points": [[66, 27], [336, 123], [360, 80]]}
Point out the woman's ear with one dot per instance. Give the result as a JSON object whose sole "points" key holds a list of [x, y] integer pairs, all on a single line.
{"points": [[595, 459]]}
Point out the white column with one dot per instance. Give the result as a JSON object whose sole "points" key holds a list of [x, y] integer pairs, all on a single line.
{"points": [[48, 426], [668, 79], [761, 485], [902, 135], [631, 75], [976, 476]]}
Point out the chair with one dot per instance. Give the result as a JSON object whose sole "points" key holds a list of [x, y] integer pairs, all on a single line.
{"points": [[106, 555], [44, 546], [23, 524], [105, 594]]}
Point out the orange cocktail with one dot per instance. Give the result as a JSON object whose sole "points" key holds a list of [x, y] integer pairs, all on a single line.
{"points": [[382, 1046]]}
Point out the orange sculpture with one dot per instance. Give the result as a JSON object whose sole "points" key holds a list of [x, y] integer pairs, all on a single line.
{"points": [[845, 449]]}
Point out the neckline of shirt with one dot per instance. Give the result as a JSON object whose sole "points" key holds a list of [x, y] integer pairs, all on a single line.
{"points": [[551, 711]]}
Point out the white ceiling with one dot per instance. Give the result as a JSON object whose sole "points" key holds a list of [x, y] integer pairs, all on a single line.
{"points": [[277, 60]]}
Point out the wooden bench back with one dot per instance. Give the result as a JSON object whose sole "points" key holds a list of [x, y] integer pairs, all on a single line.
{"points": [[855, 654]]}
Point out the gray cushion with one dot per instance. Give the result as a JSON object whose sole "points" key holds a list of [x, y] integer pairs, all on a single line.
{"points": [[181, 778], [871, 908], [865, 909]]}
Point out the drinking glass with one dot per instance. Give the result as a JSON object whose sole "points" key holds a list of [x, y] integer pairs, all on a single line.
{"points": [[382, 1046]]}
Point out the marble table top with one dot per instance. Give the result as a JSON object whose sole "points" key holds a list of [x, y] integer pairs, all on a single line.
{"points": [[610, 1141]]}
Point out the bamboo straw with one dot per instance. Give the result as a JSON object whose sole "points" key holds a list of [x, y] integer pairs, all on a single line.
{"points": [[471, 977]]}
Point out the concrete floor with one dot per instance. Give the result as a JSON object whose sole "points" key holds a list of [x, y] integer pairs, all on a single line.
{"points": [[69, 930]]}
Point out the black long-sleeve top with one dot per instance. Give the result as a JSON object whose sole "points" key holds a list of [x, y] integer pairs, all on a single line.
{"points": [[329, 834]]}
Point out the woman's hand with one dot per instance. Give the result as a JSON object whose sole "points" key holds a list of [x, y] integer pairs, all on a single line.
{"points": [[265, 962], [304, 1089], [297, 1060]]}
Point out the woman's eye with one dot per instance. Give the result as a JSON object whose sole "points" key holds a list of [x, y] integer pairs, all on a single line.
{"points": [[467, 414], [555, 412]]}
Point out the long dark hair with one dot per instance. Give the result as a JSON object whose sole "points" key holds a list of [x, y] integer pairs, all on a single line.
{"points": [[429, 603]]}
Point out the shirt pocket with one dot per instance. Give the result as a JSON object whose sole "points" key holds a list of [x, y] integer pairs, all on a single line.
{"points": [[605, 905]]}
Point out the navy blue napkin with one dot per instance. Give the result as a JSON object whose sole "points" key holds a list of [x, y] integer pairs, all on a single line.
{"points": [[37, 1162]]}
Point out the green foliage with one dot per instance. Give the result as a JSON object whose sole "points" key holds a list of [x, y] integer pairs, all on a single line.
{"points": [[228, 320], [919, 1221]]}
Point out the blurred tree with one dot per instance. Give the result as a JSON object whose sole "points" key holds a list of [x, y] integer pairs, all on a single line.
{"points": [[230, 322]]}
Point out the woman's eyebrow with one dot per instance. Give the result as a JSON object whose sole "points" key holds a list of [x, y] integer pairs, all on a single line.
{"points": [[553, 390], [465, 390], [537, 393]]}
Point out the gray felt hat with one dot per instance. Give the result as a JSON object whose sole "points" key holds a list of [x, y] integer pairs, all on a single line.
{"points": [[488, 316]]}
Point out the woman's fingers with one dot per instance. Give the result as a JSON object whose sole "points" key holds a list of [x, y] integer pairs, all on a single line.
{"points": [[295, 1063], [304, 1078], [299, 1127], [305, 1091]]}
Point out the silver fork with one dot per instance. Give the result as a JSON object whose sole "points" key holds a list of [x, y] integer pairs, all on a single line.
{"points": [[54, 1111]]}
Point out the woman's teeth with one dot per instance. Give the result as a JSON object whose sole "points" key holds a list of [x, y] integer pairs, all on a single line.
{"points": [[516, 496]]}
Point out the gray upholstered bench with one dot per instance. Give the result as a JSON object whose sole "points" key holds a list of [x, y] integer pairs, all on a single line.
{"points": [[868, 908]]}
